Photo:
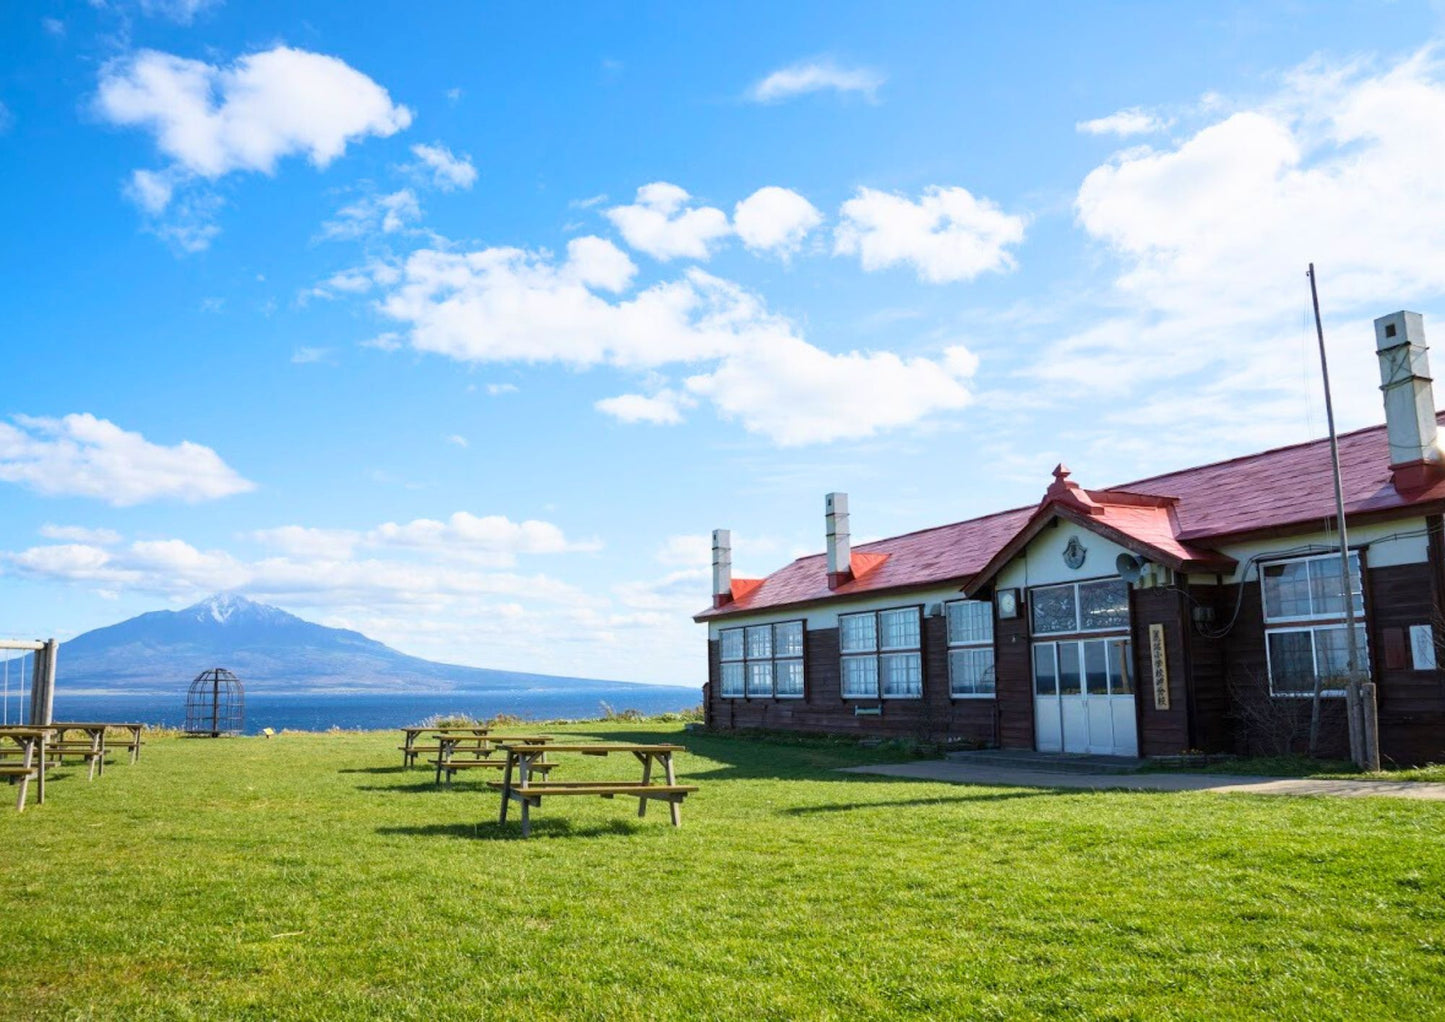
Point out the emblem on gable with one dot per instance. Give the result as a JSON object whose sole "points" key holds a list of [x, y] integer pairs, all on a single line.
{"points": [[1075, 553]]}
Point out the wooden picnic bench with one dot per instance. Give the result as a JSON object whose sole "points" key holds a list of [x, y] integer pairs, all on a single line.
{"points": [[31, 743], [91, 748], [522, 761], [410, 750], [130, 741], [474, 752]]}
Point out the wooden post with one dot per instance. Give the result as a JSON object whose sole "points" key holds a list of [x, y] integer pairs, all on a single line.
{"points": [[507, 785], [675, 806], [1370, 724], [1352, 714]]}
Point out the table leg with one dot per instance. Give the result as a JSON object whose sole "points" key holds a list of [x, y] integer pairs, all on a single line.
{"points": [[646, 778], [135, 749], [506, 786], [523, 764], [40, 746], [671, 780]]}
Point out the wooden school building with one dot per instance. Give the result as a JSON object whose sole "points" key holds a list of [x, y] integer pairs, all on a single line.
{"points": [[1189, 611]]}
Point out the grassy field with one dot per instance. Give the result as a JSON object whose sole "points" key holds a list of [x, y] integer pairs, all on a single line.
{"points": [[309, 877]]}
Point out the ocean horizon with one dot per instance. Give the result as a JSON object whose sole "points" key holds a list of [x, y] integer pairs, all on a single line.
{"points": [[370, 711]]}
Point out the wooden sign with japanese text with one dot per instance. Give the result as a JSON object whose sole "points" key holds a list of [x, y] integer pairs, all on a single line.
{"points": [[1159, 667]]}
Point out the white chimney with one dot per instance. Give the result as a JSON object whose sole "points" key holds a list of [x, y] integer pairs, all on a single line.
{"points": [[840, 551], [1409, 399], [722, 567]]}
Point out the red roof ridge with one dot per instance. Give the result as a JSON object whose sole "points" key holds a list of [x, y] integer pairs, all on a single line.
{"points": [[1378, 427]]}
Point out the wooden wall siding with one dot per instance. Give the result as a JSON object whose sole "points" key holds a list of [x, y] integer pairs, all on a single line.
{"points": [[823, 708], [1161, 732], [1209, 705], [1015, 684], [1411, 703]]}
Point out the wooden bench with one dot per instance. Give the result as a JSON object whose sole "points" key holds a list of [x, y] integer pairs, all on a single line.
{"points": [[30, 742], [91, 748], [525, 759]]}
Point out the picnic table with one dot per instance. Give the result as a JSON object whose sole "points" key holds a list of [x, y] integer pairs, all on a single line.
{"points": [[90, 748], [523, 761], [132, 742], [470, 752], [31, 743], [410, 750]]}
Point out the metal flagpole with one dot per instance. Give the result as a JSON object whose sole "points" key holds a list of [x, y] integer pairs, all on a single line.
{"points": [[1352, 699]]}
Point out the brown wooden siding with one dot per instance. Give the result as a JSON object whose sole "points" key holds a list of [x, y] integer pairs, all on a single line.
{"points": [[1161, 732], [1411, 703], [1015, 683]]}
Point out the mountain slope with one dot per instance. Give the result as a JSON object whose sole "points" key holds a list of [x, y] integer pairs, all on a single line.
{"points": [[269, 650]]}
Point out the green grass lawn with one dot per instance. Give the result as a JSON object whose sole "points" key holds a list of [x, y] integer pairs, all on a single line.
{"points": [[308, 876], [1303, 766]]}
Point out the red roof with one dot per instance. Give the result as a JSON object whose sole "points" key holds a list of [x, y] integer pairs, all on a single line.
{"points": [[1179, 516]]}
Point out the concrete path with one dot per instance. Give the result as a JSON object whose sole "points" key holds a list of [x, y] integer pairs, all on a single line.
{"points": [[968, 773]]}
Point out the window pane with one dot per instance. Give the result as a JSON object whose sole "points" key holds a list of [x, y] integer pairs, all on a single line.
{"points": [[1325, 589], [732, 680], [1053, 610], [1046, 675], [860, 677], [1121, 668], [1286, 589], [732, 644], [760, 642], [858, 633], [902, 674], [789, 677], [1104, 604], [788, 639], [970, 621], [1069, 677], [898, 628], [970, 672], [1291, 662], [1332, 654], [1096, 668], [760, 679]]}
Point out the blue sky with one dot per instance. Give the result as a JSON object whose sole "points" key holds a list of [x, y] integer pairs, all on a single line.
{"points": [[464, 326]]}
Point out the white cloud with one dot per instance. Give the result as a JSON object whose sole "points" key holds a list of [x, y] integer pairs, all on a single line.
{"points": [[179, 11], [389, 341], [372, 214], [494, 539], [947, 235], [816, 76], [80, 534], [310, 356], [210, 120], [664, 408], [83, 456], [54, 27], [1206, 240], [660, 223], [498, 389], [787, 389], [1134, 121], [775, 219], [447, 172], [509, 305], [457, 440]]}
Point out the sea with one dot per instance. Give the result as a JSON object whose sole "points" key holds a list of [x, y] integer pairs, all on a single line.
{"points": [[377, 711]]}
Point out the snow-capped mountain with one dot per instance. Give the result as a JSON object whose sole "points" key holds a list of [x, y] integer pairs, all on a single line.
{"points": [[269, 649]]}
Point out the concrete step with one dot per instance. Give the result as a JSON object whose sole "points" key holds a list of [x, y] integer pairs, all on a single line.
{"points": [[1052, 762]]}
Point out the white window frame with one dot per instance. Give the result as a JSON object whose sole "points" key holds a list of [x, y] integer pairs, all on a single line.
{"points": [[880, 651], [772, 660], [967, 645], [1078, 628], [1313, 622]]}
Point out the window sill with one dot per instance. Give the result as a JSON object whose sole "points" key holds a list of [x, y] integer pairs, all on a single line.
{"points": [[973, 695]]}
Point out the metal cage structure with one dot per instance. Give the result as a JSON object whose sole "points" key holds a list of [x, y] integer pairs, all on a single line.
{"points": [[215, 704]]}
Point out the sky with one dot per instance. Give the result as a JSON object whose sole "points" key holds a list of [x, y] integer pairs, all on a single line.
{"points": [[464, 324]]}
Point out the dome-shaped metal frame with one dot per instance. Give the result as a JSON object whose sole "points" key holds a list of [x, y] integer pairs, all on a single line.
{"points": [[215, 704]]}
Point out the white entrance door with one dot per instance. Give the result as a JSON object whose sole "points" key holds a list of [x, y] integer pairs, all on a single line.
{"points": [[1084, 697]]}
